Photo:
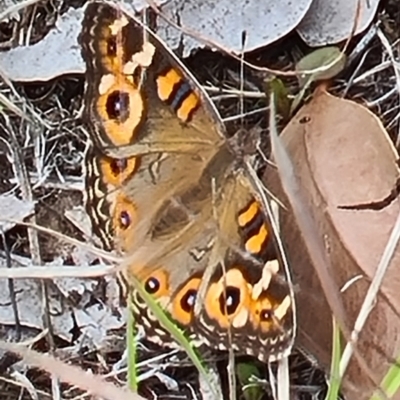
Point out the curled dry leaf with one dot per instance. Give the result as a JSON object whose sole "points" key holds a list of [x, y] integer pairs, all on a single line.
{"points": [[346, 168], [321, 64]]}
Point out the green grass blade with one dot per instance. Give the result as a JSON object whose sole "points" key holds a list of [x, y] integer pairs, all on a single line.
{"points": [[334, 381], [175, 332], [390, 383], [131, 345]]}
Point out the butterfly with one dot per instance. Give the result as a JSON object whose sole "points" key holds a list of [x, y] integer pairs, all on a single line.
{"points": [[165, 184]]}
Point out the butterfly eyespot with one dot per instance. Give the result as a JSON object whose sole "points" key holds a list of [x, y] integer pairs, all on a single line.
{"points": [[184, 301], [230, 300], [266, 315], [118, 165], [152, 285], [116, 171], [117, 105], [125, 220], [124, 216], [188, 300], [112, 46]]}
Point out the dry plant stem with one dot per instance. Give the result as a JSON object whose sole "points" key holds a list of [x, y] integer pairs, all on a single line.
{"points": [[8, 103], [46, 272], [11, 289], [17, 7], [22, 177], [95, 385], [374, 70], [231, 375], [99, 252], [363, 44], [283, 379], [352, 78], [388, 48], [26, 106]]}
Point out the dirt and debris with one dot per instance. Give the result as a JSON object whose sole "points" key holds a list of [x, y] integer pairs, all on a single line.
{"points": [[86, 316]]}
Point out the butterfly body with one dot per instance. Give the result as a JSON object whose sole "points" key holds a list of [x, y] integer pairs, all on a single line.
{"points": [[165, 185]]}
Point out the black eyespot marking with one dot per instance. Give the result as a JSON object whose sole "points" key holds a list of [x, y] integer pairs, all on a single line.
{"points": [[117, 106], [188, 300], [124, 220], [118, 166], [230, 300], [152, 285], [137, 75], [112, 46], [266, 315]]}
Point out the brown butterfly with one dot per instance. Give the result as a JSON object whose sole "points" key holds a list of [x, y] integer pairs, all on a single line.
{"points": [[165, 184]]}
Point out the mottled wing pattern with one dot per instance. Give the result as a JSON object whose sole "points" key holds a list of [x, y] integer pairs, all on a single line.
{"points": [[165, 188]]}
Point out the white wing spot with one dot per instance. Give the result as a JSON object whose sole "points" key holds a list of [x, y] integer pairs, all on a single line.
{"points": [[282, 309], [118, 24], [106, 82]]}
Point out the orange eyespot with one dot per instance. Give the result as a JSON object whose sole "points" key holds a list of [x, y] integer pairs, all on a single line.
{"points": [[117, 106], [124, 217], [227, 300], [263, 315], [116, 171], [157, 284], [121, 109], [184, 302]]}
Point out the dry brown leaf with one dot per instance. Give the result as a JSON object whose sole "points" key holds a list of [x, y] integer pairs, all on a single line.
{"points": [[346, 167]]}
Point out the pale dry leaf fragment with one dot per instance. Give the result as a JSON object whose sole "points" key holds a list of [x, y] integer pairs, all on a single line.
{"points": [[28, 298], [79, 217], [29, 304], [13, 210], [346, 166], [69, 286], [331, 21], [224, 21], [95, 322], [56, 54]]}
